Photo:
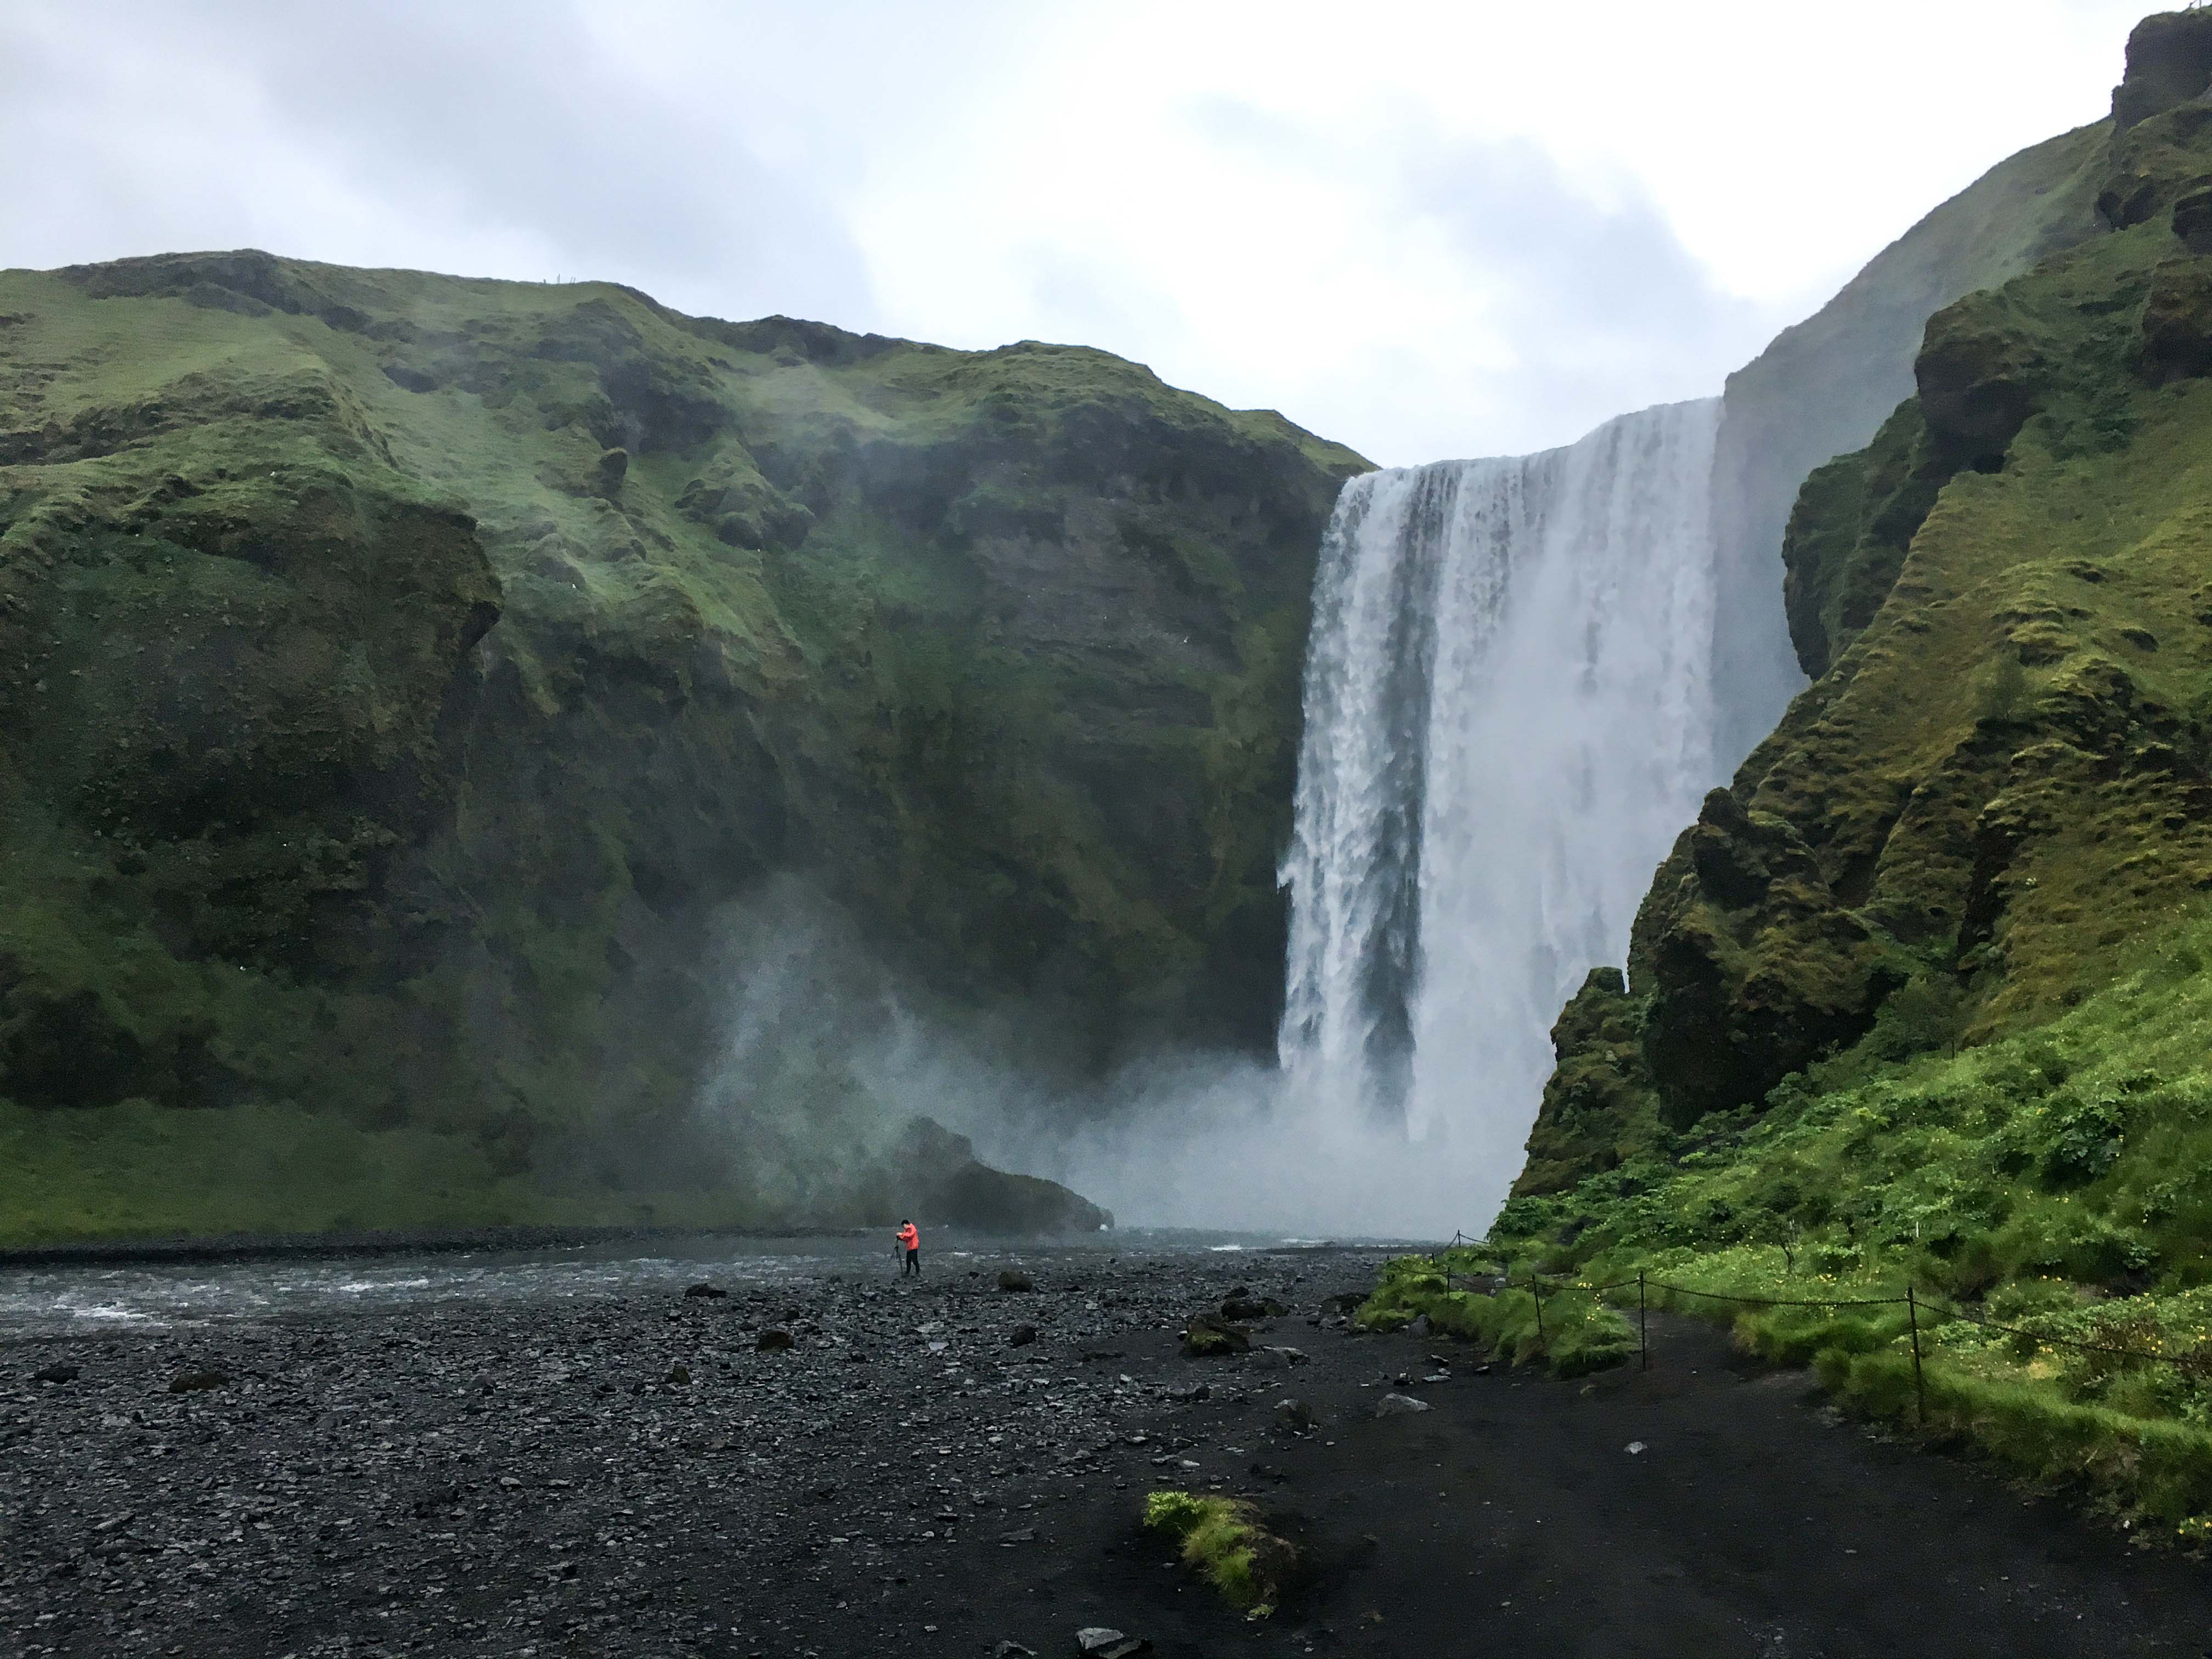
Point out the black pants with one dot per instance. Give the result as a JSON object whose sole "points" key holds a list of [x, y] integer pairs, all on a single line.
{"points": [[913, 1264]]}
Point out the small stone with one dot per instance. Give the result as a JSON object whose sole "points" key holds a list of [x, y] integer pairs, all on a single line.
{"points": [[705, 1291], [1013, 1650], [1418, 1327], [774, 1340], [1401, 1405], [679, 1373], [198, 1381], [1014, 1279], [1635, 1448], [1021, 1336], [1019, 1535], [55, 1374], [1097, 1641], [1295, 1415]]}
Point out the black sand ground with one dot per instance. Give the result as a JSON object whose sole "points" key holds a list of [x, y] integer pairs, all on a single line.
{"points": [[527, 1480]]}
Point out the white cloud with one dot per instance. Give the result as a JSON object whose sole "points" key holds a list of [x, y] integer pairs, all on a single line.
{"points": [[1425, 230]]}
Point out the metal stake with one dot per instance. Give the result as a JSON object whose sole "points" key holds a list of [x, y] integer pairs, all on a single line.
{"points": [[1919, 1382]]}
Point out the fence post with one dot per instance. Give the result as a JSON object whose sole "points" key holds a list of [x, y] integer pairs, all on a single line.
{"points": [[1919, 1382], [1643, 1333], [1536, 1291]]}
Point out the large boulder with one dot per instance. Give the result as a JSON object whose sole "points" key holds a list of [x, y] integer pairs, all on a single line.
{"points": [[948, 1186]]}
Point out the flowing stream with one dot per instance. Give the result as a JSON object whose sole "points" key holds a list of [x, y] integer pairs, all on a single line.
{"points": [[1509, 715]]}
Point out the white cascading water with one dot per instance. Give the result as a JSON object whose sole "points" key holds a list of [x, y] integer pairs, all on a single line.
{"points": [[1509, 716]]}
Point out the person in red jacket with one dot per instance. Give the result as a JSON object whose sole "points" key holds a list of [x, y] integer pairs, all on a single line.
{"points": [[909, 1239]]}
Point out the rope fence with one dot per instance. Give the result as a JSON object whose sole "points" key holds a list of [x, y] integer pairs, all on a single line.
{"points": [[1538, 1285]]}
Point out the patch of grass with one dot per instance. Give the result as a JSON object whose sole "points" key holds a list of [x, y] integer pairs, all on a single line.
{"points": [[1573, 1331], [2057, 1182], [1225, 1540]]}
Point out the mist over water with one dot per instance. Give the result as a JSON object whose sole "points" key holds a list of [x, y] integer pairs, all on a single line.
{"points": [[1510, 713], [1509, 716]]}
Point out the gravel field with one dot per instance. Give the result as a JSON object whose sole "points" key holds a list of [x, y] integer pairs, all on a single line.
{"points": [[619, 1474], [948, 1467]]}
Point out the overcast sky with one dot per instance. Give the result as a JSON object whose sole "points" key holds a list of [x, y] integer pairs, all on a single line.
{"points": [[1425, 230]]}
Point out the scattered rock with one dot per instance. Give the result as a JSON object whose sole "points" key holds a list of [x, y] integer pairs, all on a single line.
{"points": [[1242, 1305], [55, 1374], [1418, 1326], [1019, 1535], [705, 1291], [1295, 1415], [1021, 1336], [1013, 1650], [1635, 1448], [774, 1340], [1204, 1334], [1097, 1641], [1014, 1279], [198, 1381], [1401, 1405], [679, 1372]]}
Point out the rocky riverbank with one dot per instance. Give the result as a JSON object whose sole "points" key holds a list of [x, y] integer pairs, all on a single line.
{"points": [[947, 1467]]}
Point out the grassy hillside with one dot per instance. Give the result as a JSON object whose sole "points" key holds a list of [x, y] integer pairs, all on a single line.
{"points": [[397, 672], [1824, 386], [1921, 998]]}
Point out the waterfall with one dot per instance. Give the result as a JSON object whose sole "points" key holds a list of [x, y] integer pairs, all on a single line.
{"points": [[1509, 714]]}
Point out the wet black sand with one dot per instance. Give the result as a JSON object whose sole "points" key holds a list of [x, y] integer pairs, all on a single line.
{"points": [[525, 1478]]}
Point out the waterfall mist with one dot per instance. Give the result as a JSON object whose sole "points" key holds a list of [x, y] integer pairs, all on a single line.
{"points": [[1511, 710]]}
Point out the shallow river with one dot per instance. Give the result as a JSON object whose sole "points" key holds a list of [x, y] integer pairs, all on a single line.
{"points": [[83, 1298]]}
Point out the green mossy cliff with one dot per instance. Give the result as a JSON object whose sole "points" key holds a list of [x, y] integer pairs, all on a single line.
{"points": [[1997, 781], [397, 671]]}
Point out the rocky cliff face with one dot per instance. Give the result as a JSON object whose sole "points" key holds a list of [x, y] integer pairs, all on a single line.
{"points": [[395, 672], [1997, 784]]}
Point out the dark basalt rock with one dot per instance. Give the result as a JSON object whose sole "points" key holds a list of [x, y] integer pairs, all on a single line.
{"points": [[949, 1187], [2169, 62], [2177, 317]]}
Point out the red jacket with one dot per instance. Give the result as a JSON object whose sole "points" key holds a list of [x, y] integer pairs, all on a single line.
{"points": [[909, 1237]]}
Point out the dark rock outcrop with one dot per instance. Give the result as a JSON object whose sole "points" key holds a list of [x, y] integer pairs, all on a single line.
{"points": [[944, 1184]]}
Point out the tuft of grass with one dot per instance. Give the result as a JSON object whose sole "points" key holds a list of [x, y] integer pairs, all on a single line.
{"points": [[1226, 1542]]}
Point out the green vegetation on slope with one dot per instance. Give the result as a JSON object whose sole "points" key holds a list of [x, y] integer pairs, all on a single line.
{"points": [[2057, 1182], [398, 671], [1920, 1001]]}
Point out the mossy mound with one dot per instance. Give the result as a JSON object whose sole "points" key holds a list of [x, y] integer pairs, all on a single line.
{"points": [[1227, 1539], [397, 671]]}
